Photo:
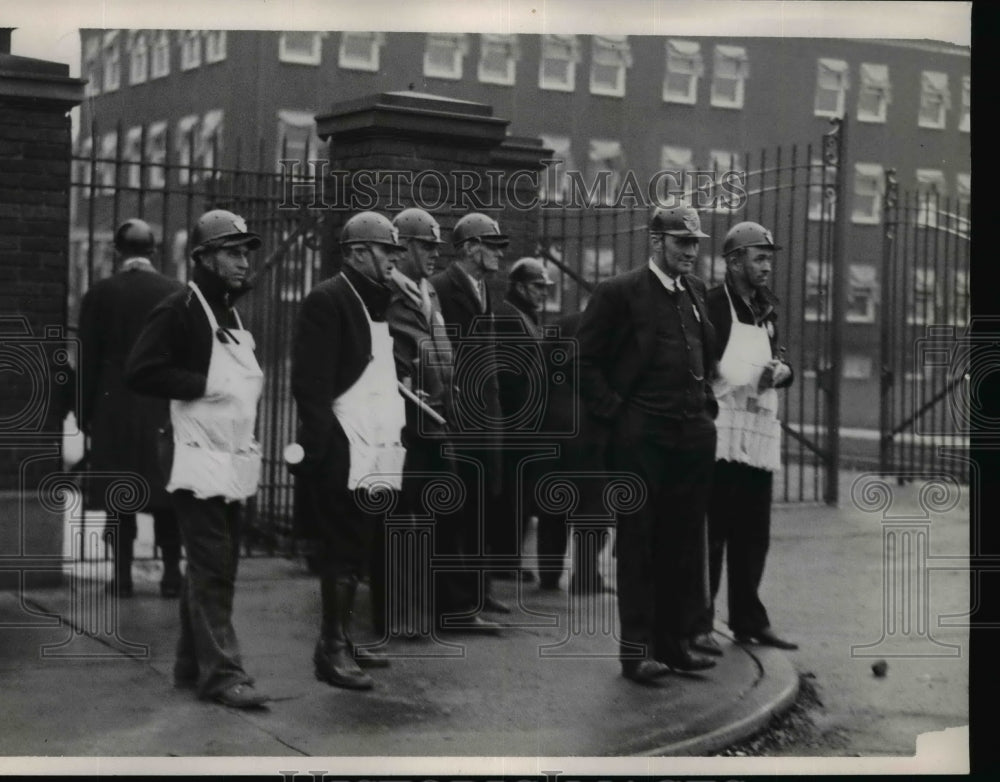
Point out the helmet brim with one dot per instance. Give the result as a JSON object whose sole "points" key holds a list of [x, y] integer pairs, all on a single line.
{"points": [[694, 234]]}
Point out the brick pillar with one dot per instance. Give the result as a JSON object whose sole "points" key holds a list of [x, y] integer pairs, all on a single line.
{"points": [[36, 379], [394, 150]]}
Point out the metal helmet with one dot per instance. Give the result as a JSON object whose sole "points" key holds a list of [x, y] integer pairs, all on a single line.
{"points": [[135, 238], [415, 223], [370, 227], [681, 221], [476, 225], [747, 234], [529, 270], [221, 228]]}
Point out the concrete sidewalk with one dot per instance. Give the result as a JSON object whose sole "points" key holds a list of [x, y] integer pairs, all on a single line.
{"points": [[550, 686]]}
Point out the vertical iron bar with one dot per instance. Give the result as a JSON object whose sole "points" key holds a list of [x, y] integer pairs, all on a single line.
{"points": [[886, 379]]}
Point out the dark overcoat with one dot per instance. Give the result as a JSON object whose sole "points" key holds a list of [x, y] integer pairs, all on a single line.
{"points": [[123, 426]]}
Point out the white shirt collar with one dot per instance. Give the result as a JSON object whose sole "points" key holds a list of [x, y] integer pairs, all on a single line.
{"points": [[669, 283], [143, 264]]}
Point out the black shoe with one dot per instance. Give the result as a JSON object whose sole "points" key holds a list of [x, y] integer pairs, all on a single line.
{"points": [[241, 696], [496, 606], [706, 644], [335, 665], [679, 657], [474, 624], [369, 659], [643, 671], [765, 637]]}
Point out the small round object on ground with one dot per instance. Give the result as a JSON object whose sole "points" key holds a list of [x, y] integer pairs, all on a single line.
{"points": [[879, 668]]}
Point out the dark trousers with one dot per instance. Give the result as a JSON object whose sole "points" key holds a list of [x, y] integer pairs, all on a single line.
{"points": [[662, 583], [207, 647], [739, 526], [166, 532]]}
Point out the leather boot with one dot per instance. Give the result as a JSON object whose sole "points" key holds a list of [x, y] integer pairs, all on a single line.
{"points": [[170, 584], [121, 580], [334, 658]]}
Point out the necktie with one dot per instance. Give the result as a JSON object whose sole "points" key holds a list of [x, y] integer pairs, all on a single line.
{"points": [[482, 294], [425, 299]]}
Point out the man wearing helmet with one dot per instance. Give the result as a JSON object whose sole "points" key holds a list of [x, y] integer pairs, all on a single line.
{"points": [[122, 425], [518, 320], [645, 353], [467, 307], [195, 352], [424, 364], [748, 451], [351, 417]]}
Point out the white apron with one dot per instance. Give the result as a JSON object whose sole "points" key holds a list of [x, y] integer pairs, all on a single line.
{"points": [[215, 453], [372, 414], [747, 426]]}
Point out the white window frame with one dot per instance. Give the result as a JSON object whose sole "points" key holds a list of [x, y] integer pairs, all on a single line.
{"points": [[186, 133], [831, 77], [556, 176], [683, 58], [215, 45], [864, 363], [159, 63], [869, 182], [961, 298], [924, 285], [84, 152], [680, 160], [138, 59], [190, 45], [965, 121], [612, 52], [819, 288], [302, 121], [106, 168], [212, 124], [156, 154], [723, 55], [455, 43], [300, 57], [874, 81], [133, 155], [934, 90], [819, 188], [350, 62], [599, 156], [931, 191], [505, 46], [862, 281], [720, 162], [559, 48], [92, 68], [112, 62]]}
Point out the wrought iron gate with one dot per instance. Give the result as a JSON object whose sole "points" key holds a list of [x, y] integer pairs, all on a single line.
{"points": [[925, 333], [794, 191]]}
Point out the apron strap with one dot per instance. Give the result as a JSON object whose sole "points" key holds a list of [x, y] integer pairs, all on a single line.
{"points": [[208, 310], [361, 301]]}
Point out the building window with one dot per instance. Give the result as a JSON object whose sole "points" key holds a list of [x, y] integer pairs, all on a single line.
{"points": [[960, 305], [557, 68], [190, 49], [297, 139], [161, 56], [605, 164], [684, 68], [817, 306], [209, 149], [598, 263], [444, 55], [611, 57], [727, 170], [831, 88], [857, 367], [675, 162], [215, 45], [156, 153], [730, 69], [935, 100], [138, 63], [920, 298], [107, 165], [178, 254], [302, 47], [92, 66], [132, 156], [498, 56], [112, 62], [966, 120], [862, 292], [868, 188], [874, 93], [555, 181], [84, 153], [930, 190], [958, 217], [186, 141], [822, 191], [360, 51]]}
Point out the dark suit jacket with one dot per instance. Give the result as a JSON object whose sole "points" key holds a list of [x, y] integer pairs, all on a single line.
{"points": [[123, 425], [616, 340], [473, 360]]}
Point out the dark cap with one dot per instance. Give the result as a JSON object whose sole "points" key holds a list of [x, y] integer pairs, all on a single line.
{"points": [[676, 221], [529, 270]]}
